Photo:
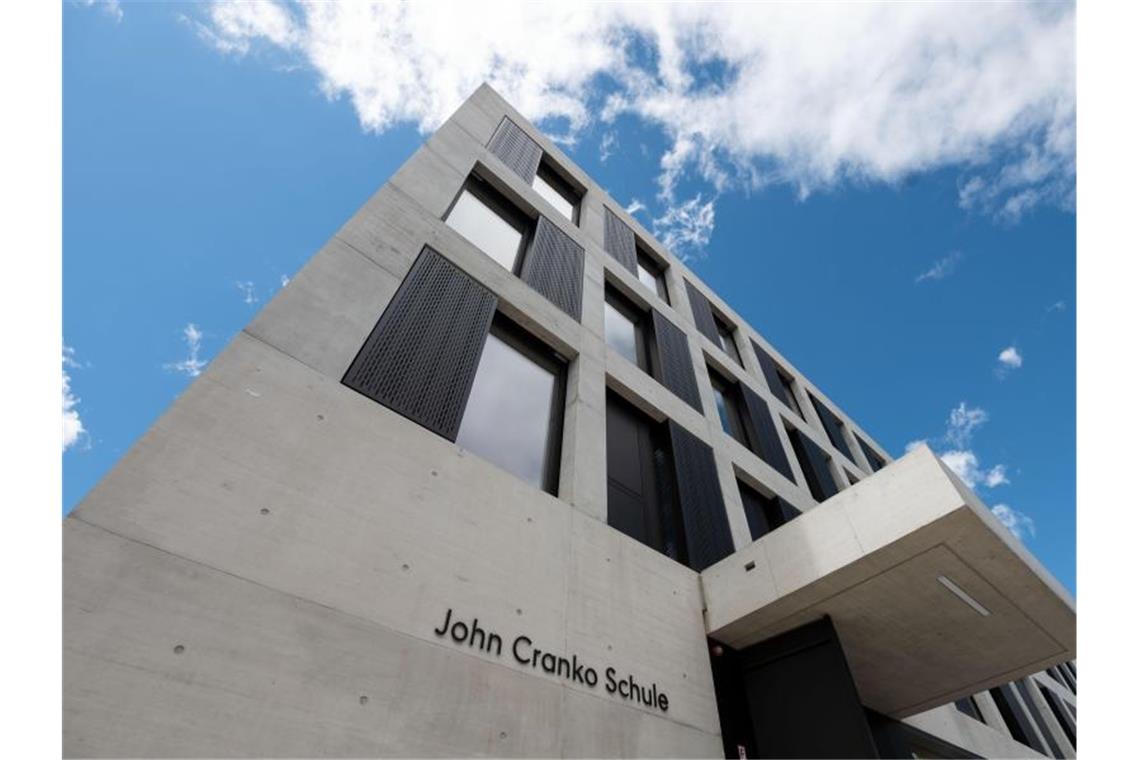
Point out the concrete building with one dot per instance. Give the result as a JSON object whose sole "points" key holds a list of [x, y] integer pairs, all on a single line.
{"points": [[496, 474]]}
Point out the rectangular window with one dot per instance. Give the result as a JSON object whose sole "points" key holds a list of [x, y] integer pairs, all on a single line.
{"points": [[730, 407], [967, 706], [513, 416], [833, 426], [626, 329], [491, 222], [779, 381], [652, 274], [557, 191], [815, 464], [789, 394], [877, 462], [764, 513], [727, 341], [641, 483]]}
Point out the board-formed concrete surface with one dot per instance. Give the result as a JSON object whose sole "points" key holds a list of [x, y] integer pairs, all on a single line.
{"points": [[267, 571]]}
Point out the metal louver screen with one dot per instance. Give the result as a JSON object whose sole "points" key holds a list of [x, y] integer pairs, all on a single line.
{"points": [[620, 242], [675, 362], [702, 313], [554, 267], [511, 144], [771, 450], [833, 426], [421, 357], [768, 367], [707, 535]]}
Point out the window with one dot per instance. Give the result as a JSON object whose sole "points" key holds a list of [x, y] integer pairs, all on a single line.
{"points": [[967, 706], [764, 513], [815, 464], [626, 329], [490, 222], [557, 191], [877, 462], [789, 393], [641, 483], [833, 426], [652, 274], [727, 342], [513, 416], [729, 406], [851, 478], [779, 381]]}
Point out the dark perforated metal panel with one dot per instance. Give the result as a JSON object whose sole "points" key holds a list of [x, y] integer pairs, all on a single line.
{"points": [[813, 462], [702, 313], [620, 242], [707, 535], [768, 367], [675, 362], [767, 439], [833, 426], [553, 266], [511, 144], [421, 357]]}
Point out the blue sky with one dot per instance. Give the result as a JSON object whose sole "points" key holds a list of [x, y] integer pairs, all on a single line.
{"points": [[890, 233]]}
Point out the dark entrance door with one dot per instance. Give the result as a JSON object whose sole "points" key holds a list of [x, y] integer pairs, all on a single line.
{"points": [[791, 696]]}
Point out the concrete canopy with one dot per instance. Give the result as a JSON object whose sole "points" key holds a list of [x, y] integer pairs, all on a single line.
{"points": [[877, 558]]}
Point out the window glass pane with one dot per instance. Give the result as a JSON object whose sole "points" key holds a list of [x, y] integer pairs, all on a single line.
{"points": [[723, 410], [726, 341], [646, 276], [555, 198], [507, 419], [496, 237], [621, 333]]}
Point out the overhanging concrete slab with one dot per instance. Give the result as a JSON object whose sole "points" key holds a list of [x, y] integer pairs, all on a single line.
{"points": [[932, 597]]}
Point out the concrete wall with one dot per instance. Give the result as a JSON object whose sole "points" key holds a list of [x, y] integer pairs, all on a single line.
{"points": [[263, 572]]}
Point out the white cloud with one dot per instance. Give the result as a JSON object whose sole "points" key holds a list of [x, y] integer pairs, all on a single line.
{"points": [[996, 477], [1056, 306], [1010, 357], [1018, 523], [1008, 360], [686, 228], [111, 7], [608, 145], [284, 280], [191, 365], [634, 206], [944, 267], [73, 429], [965, 465], [954, 448], [745, 94], [963, 421], [246, 289]]}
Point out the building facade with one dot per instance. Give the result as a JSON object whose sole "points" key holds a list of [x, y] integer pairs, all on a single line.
{"points": [[496, 474]]}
